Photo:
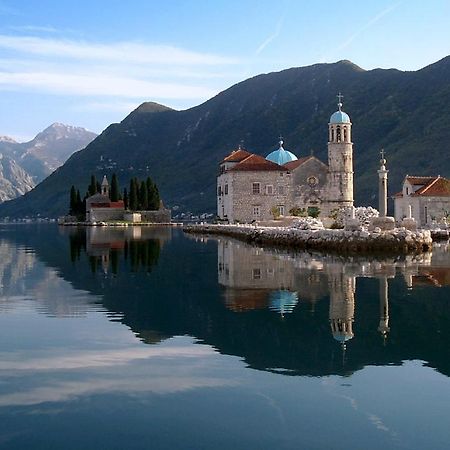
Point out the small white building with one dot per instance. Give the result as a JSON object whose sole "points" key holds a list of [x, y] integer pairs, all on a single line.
{"points": [[426, 199]]}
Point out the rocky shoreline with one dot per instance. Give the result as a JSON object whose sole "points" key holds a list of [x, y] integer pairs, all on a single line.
{"points": [[397, 241]]}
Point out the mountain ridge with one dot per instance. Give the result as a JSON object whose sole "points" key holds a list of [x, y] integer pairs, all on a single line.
{"points": [[406, 113]]}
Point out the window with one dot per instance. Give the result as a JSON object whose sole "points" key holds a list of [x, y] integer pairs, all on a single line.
{"points": [[256, 188], [256, 211], [338, 134], [280, 190], [345, 134], [269, 189], [219, 191], [281, 210], [226, 189], [332, 134], [256, 274]]}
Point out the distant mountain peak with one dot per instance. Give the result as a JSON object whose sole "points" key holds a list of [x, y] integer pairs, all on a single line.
{"points": [[8, 139], [151, 107]]}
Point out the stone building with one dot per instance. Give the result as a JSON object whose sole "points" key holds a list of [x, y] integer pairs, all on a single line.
{"points": [[425, 199], [251, 187], [100, 208]]}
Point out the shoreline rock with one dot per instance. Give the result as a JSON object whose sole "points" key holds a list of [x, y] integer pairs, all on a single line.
{"points": [[397, 241]]}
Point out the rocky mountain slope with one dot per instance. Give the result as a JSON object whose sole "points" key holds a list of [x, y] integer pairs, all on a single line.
{"points": [[23, 165], [406, 113]]}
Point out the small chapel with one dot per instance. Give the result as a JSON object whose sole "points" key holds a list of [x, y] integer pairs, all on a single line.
{"points": [[250, 187]]}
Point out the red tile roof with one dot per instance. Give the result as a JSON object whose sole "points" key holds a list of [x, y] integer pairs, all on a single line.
{"points": [[437, 187], [236, 155], [256, 162], [419, 180]]}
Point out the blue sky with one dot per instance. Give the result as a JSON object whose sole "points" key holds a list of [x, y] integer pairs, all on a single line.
{"points": [[90, 63]]}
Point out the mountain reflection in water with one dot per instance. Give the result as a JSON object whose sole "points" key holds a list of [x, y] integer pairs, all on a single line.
{"points": [[291, 313]]}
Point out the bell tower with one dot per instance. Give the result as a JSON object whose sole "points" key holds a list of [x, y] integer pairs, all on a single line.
{"points": [[340, 159]]}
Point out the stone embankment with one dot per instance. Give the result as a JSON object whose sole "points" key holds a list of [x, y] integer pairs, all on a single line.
{"points": [[397, 241]]}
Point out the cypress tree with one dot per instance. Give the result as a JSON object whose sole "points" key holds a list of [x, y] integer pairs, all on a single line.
{"points": [[153, 196], [115, 191], [92, 189], [73, 201], [98, 187], [133, 195], [79, 204], [125, 198], [143, 196]]}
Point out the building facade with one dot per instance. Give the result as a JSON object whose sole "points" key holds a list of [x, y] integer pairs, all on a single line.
{"points": [[253, 188], [425, 199]]}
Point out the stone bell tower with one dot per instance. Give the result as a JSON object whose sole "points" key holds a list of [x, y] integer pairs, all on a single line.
{"points": [[340, 160]]}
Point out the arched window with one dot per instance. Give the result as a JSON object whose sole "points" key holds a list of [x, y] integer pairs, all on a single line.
{"points": [[345, 134], [338, 134], [332, 135]]}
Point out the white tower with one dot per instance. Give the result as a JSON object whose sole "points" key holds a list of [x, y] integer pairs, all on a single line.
{"points": [[105, 186], [340, 159], [382, 186]]}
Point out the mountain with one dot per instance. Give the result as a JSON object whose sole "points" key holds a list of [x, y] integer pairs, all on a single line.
{"points": [[406, 113], [38, 158], [14, 181]]}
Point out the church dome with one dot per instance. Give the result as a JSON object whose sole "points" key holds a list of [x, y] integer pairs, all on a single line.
{"points": [[339, 117], [281, 156]]}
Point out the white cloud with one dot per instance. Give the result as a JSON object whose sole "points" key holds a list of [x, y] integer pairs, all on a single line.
{"points": [[131, 52], [121, 70]]}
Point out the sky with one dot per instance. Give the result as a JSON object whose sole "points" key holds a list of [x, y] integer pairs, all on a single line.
{"points": [[90, 63]]}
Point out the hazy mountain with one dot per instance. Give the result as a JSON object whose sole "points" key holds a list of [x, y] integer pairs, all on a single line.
{"points": [[14, 181], [406, 113], [38, 158]]}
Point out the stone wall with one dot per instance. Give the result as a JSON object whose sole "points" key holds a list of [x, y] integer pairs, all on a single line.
{"points": [[104, 214], [244, 206], [160, 216]]}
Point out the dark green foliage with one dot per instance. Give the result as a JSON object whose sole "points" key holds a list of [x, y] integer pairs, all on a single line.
{"points": [[73, 200], [407, 113], [115, 190], [134, 200], [125, 198], [92, 189], [98, 187], [143, 196], [153, 195]]}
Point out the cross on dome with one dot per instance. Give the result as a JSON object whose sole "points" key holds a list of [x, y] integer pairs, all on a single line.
{"points": [[339, 97], [280, 140]]}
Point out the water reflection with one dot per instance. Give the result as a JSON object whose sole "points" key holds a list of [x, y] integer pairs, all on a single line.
{"points": [[282, 312]]}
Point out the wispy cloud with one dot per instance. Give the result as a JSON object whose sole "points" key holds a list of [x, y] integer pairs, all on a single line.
{"points": [[132, 52], [271, 37], [34, 28], [367, 25], [125, 70]]}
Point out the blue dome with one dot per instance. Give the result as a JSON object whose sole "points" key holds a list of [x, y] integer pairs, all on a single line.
{"points": [[339, 117], [281, 156], [283, 301]]}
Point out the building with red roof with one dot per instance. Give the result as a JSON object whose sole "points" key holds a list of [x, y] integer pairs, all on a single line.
{"points": [[252, 188], [426, 199]]}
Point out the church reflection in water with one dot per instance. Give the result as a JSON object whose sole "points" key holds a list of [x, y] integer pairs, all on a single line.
{"points": [[255, 278]]}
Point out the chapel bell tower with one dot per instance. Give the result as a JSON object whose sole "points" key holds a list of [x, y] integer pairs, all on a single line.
{"points": [[340, 159]]}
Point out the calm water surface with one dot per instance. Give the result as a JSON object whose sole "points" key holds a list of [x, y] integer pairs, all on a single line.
{"points": [[146, 338]]}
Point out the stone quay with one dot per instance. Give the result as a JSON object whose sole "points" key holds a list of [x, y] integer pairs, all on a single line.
{"points": [[396, 241]]}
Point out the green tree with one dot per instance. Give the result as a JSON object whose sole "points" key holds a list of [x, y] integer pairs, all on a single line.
{"points": [[133, 195], [153, 195], [73, 201], [125, 198], [115, 191], [79, 204], [92, 189], [143, 196]]}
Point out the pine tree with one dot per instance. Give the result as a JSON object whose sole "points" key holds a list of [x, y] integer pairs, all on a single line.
{"points": [[133, 195], [115, 191], [79, 204], [143, 196], [125, 198], [92, 189], [73, 201], [153, 195]]}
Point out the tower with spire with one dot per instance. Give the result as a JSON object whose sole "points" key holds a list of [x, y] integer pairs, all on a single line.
{"points": [[340, 159]]}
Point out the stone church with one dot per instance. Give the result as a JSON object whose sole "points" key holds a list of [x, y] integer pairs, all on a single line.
{"points": [[251, 187]]}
